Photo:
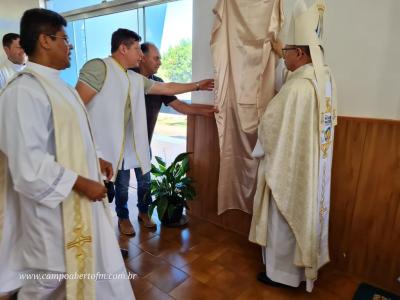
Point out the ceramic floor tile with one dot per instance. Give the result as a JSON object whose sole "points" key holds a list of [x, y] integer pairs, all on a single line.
{"points": [[209, 249], [154, 294], [212, 232], [167, 233], [337, 282], [140, 285], [230, 283], [166, 277], [202, 269], [240, 263], [179, 258], [188, 239], [319, 293], [144, 263], [128, 248], [142, 235], [191, 289], [260, 291], [243, 246]]}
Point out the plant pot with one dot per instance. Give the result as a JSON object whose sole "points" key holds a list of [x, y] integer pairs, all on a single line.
{"points": [[176, 220]]}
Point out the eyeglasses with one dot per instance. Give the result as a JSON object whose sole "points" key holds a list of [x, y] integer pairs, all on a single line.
{"points": [[65, 38], [287, 49]]}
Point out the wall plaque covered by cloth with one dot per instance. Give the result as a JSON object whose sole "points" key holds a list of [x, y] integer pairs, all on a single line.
{"points": [[245, 74]]}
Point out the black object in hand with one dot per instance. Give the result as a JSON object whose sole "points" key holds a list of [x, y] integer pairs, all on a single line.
{"points": [[110, 190]]}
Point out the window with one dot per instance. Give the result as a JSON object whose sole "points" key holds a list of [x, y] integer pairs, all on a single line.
{"points": [[61, 6], [91, 38], [173, 37]]}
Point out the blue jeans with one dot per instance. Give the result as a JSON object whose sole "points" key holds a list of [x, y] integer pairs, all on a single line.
{"points": [[143, 190], [121, 192]]}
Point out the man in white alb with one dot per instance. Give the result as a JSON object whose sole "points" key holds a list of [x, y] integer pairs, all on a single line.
{"points": [[15, 60], [114, 96], [56, 222]]}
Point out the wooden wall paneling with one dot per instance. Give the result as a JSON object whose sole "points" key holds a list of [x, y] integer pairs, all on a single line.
{"points": [[347, 157], [389, 190], [208, 149], [373, 247], [205, 167], [195, 205]]}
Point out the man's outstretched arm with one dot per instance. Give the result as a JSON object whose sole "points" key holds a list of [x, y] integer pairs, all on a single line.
{"points": [[174, 88]]}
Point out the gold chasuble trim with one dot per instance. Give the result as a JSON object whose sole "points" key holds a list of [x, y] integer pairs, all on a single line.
{"points": [[127, 113], [76, 209], [121, 153]]}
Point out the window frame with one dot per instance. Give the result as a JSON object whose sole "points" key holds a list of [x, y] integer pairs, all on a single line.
{"points": [[111, 7]]}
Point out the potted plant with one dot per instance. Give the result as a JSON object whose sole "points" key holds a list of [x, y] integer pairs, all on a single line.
{"points": [[171, 188]]}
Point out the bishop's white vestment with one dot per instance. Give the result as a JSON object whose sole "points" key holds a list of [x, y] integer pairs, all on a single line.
{"points": [[291, 205]]}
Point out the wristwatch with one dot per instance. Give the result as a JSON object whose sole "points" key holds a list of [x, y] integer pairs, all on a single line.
{"points": [[197, 86]]}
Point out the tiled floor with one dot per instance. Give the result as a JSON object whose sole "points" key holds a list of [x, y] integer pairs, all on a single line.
{"points": [[203, 261]]}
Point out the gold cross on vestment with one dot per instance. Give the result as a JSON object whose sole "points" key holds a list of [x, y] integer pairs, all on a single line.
{"points": [[79, 242]]}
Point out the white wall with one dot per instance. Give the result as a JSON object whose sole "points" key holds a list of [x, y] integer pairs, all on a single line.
{"points": [[362, 46], [202, 66], [10, 14]]}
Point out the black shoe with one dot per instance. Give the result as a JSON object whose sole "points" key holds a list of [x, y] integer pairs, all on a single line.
{"points": [[265, 279]]}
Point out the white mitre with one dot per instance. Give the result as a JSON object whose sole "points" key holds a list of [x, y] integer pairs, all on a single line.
{"points": [[305, 29]]}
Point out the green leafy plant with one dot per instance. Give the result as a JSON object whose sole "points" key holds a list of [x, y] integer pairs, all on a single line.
{"points": [[171, 187]]}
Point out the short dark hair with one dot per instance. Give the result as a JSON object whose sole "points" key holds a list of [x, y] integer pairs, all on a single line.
{"points": [[38, 21], [146, 46], [123, 36], [9, 38]]}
